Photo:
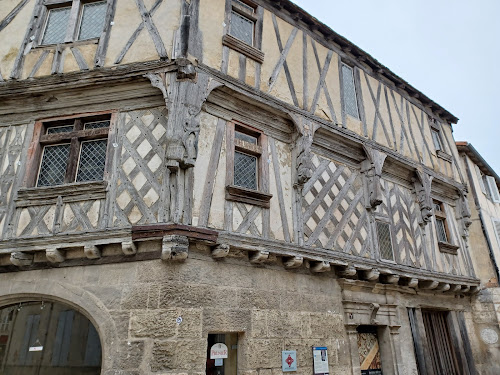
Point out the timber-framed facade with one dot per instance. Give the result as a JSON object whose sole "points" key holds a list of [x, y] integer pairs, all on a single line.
{"points": [[255, 178]]}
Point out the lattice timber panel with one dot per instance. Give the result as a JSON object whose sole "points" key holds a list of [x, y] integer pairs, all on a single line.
{"points": [[333, 211], [247, 219], [141, 170], [82, 216], [11, 143], [404, 212]]}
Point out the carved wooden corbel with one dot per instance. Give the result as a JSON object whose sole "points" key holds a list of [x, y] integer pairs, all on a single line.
{"points": [[92, 252], [19, 258], [174, 247], [465, 213], [423, 186], [259, 256], [372, 169], [305, 129], [220, 251], [293, 262], [129, 248], [54, 255]]}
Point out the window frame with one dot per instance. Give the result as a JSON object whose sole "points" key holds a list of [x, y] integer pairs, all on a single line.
{"points": [[260, 196], [444, 246], [41, 139], [343, 92], [386, 221], [74, 20], [252, 51]]}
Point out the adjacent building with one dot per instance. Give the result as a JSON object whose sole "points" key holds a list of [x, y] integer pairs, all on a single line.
{"points": [[226, 187]]}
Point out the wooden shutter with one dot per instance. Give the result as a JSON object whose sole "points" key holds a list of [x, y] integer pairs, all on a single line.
{"points": [[417, 342], [480, 178], [492, 185], [496, 227]]}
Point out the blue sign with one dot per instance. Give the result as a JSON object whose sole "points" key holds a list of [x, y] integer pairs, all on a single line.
{"points": [[289, 360]]}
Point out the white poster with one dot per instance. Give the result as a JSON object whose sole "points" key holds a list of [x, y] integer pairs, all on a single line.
{"points": [[320, 360]]}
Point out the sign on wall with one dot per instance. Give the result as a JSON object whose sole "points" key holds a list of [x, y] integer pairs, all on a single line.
{"points": [[218, 350], [289, 360], [320, 360]]}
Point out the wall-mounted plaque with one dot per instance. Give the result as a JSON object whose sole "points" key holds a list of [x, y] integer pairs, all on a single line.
{"points": [[320, 360], [289, 360]]}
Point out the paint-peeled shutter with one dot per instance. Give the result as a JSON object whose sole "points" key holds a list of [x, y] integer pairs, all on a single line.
{"points": [[480, 179], [492, 184]]}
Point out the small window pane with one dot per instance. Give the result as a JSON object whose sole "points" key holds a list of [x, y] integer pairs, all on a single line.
{"points": [[384, 241], [441, 231], [92, 21], [350, 102], [96, 125], [241, 28], [92, 161], [245, 137], [53, 166], [60, 129], [57, 25], [244, 6], [436, 140], [245, 170]]}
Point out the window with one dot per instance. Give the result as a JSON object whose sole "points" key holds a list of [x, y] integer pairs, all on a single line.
{"points": [[242, 23], [247, 169], [61, 27], [492, 188], [441, 227], [436, 139], [384, 240], [73, 150], [496, 227], [349, 92]]}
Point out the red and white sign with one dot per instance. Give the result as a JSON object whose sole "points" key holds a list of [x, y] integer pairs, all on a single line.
{"points": [[218, 351]]}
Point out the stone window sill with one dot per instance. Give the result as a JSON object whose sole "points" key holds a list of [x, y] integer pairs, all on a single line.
{"points": [[239, 194], [73, 192], [448, 248], [243, 48]]}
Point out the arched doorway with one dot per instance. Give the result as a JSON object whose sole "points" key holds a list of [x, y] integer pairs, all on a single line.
{"points": [[42, 338]]}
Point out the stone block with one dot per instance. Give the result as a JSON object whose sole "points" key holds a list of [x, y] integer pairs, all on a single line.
{"points": [[258, 324], [191, 324], [184, 355], [154, 324], [227, 320], [109, 296], [259, 299], [262, 353], [186, 295], [135, 297], [129, 356]]}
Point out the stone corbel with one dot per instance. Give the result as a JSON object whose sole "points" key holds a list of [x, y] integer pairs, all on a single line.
{"points": [[129, 248], [319, 266], [293, 262], [92, 252], [369, 275], [347, 272], [428, 284], [54, 255], [220, 251], [455, 288], [372, 169], [410, 282], [389, 279], [174, 247], [442, 287], [20, 259], [258, 257], [423, 186], [374, 307]]}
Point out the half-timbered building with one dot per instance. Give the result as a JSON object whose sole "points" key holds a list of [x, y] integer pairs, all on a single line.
{"points": [[181, 174]]}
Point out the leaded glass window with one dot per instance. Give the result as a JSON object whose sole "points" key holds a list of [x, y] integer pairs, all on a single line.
{"points": [[57, 25], [436, 140], [384, 240], [242, 28], [73, 152], [92, 21], [441, 230], [53, 166], [245, 170], [350, 101]]}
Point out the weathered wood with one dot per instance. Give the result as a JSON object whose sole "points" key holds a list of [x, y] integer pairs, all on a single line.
{"points": [[239, 194], [160, 230], [153, 31], [378, 117], [102, 47], [242, 72], [12, 14], [136, 33], [279, 188], [423, 188], [372, 168], [324, 86], [175, 247], [244, 49], [39, 63], [323, 72], [80, 60], [305, 77], [73, 19]]}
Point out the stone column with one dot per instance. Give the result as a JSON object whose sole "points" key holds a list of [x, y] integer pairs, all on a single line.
{"points": [[352, 338]]}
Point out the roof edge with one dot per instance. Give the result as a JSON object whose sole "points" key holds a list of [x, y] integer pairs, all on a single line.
{"points": [[476, 157]]}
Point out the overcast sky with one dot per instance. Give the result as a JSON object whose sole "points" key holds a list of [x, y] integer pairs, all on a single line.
{"points": [[447, 49]]}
